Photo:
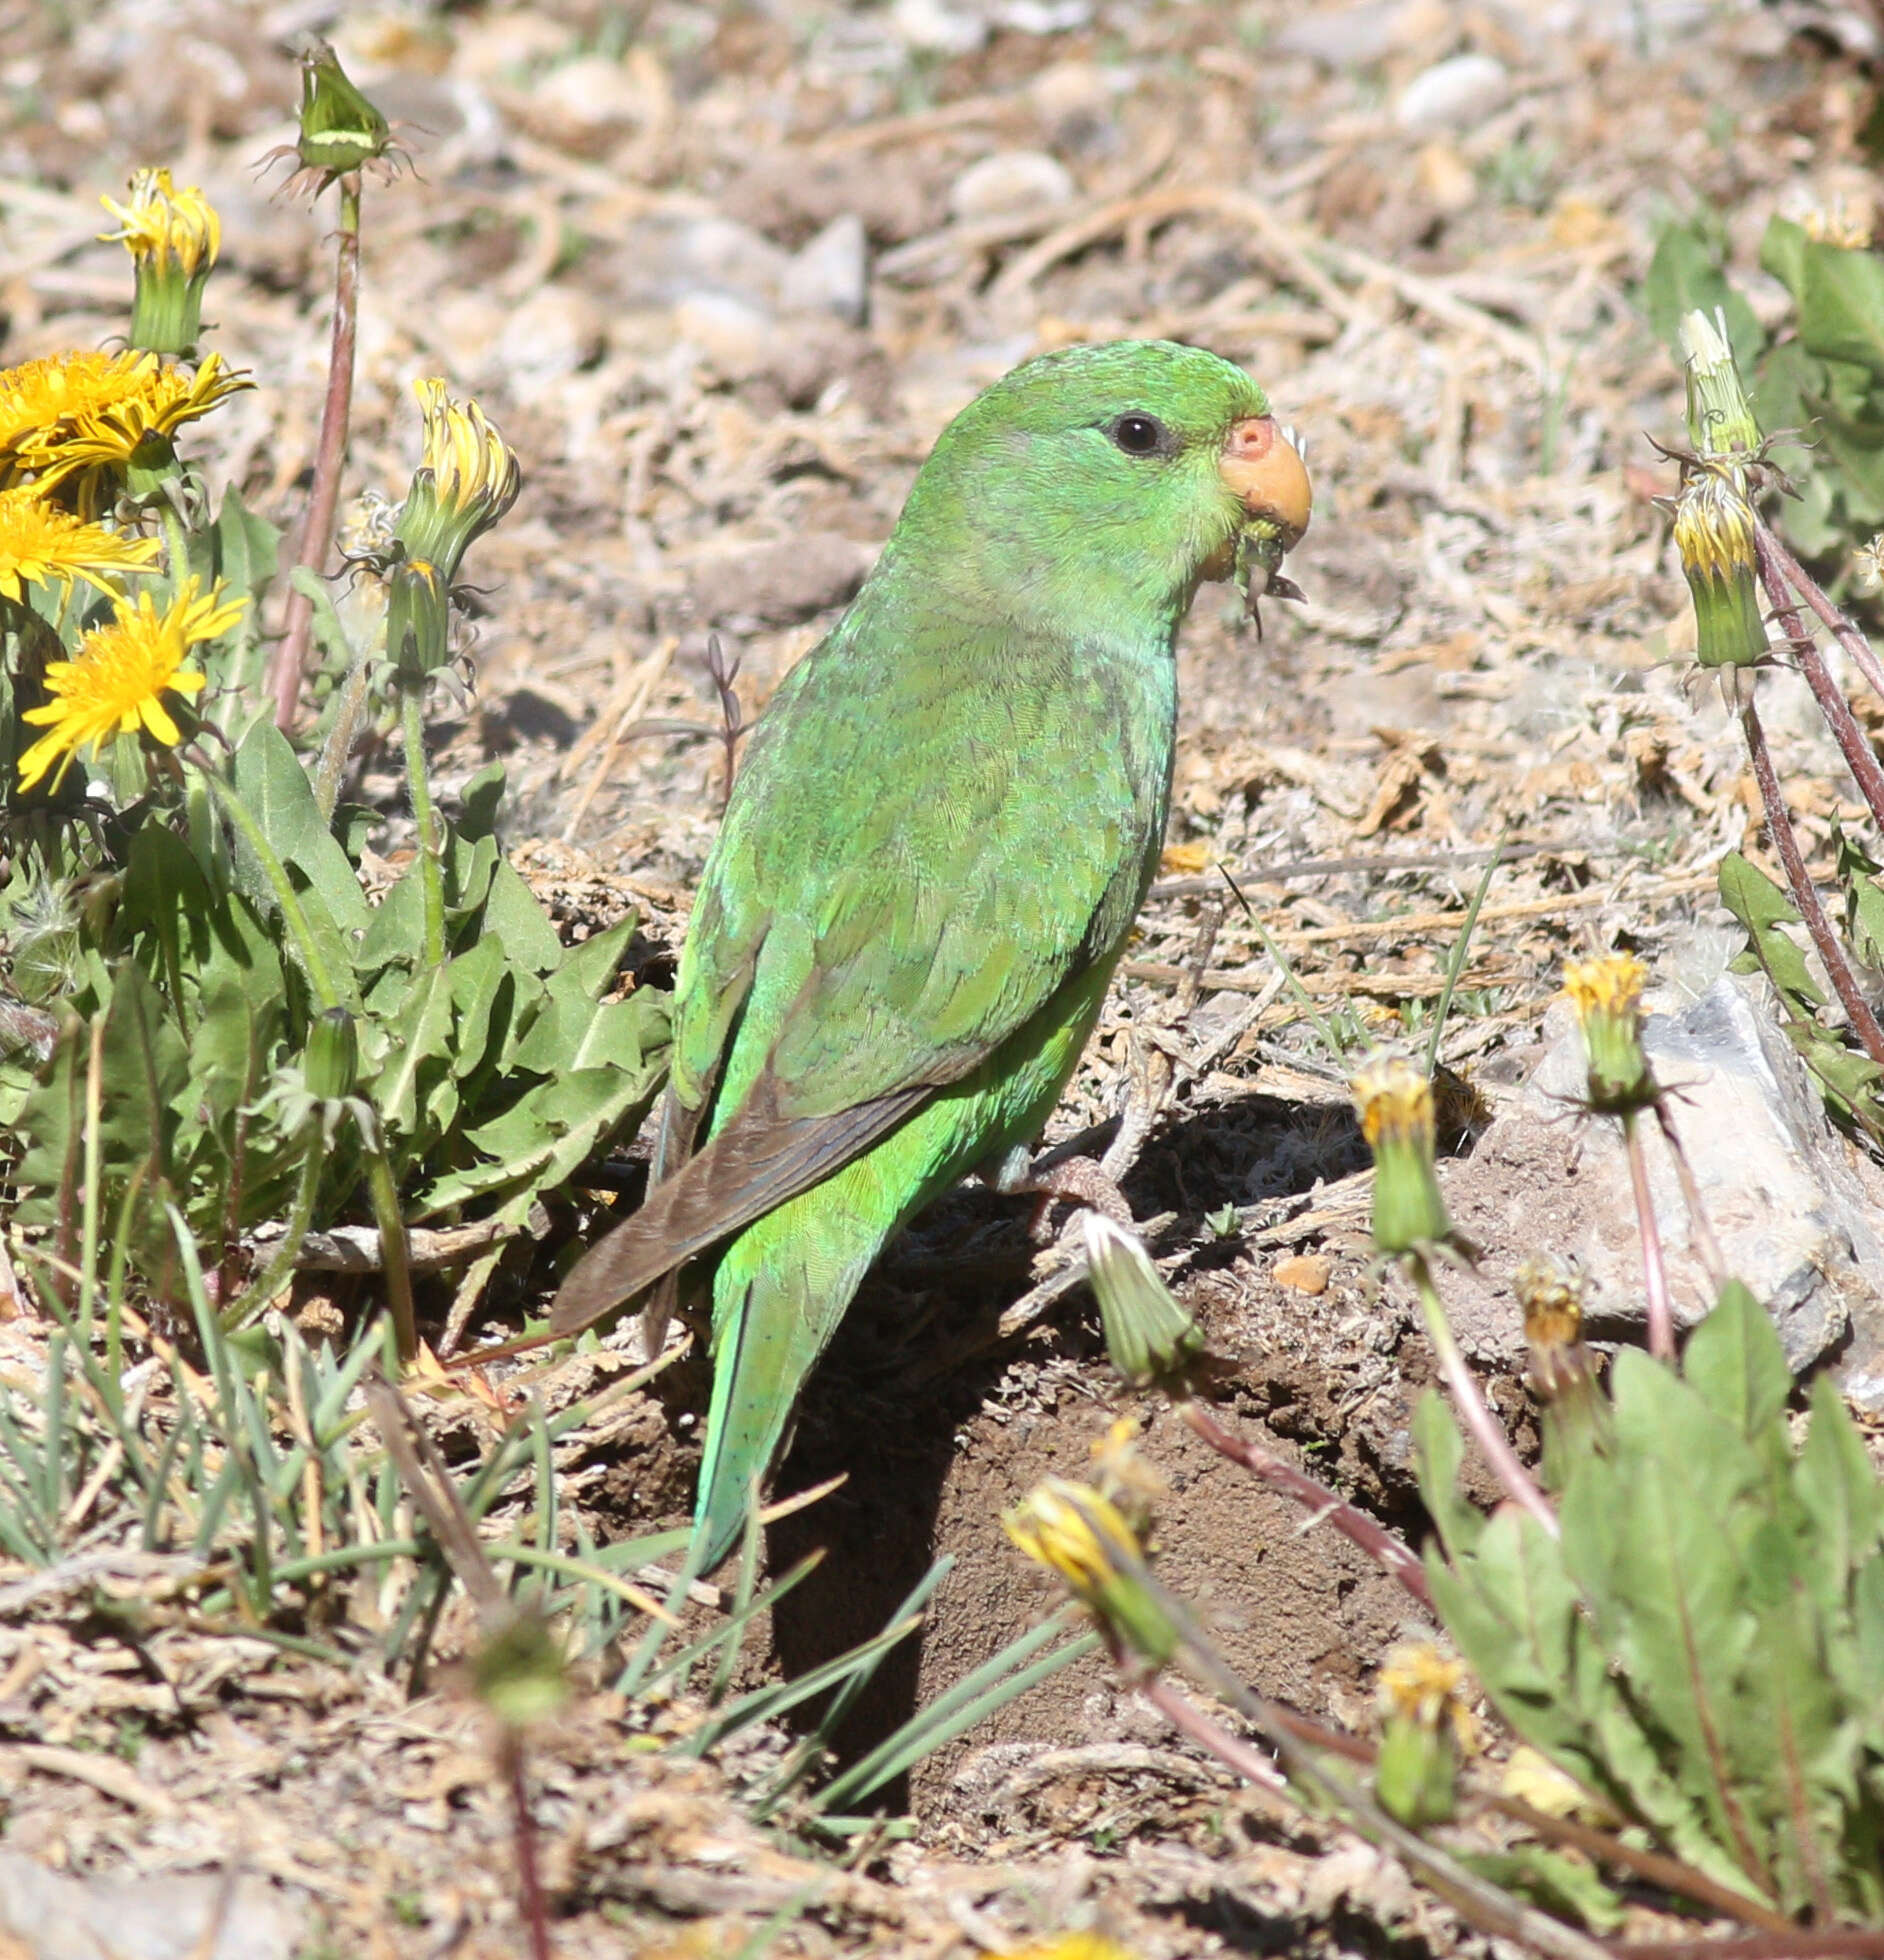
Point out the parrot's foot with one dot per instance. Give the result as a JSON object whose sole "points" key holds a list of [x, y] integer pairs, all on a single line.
{"points": [[1080, 1181]]}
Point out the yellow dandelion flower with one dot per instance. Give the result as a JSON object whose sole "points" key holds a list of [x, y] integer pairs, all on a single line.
{"points": [[470, 462], [1606, 996], [173, 237], [1421, 1685], [41, 544], [1070, 1946], [179, 228], [1073, 1531], [116, 684], [79, 422], [1846, 226], [1395, 1103]]}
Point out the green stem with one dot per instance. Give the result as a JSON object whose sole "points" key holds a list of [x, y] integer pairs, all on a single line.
{"points": [[392, 1249], [1469, 1400], [425, 819], [339, 743], [177, 544], [259, 1292], [294, 917]]}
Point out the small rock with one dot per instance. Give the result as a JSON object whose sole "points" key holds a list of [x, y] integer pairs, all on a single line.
{"points": [[1360, 35], [831, 274], [1798, 1213], [48, 1915], [735, 336], [1041, 17], [934, 28], [1305, 1272], [547, 337], [781, 583], [1457, 94], [720, 253], [1009, 183]]}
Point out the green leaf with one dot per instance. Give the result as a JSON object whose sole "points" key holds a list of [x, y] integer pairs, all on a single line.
{"points": [[593, 965], [1783, 247], [1686, 272], [512, 914], [245, 546], [1840, 1495], [1437, 1453], [482, 799], [1735, 1363], [1559, 1881], [1841, 304], [1762, 908]]}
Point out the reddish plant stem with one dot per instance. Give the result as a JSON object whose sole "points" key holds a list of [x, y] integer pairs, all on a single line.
{"points": [[1661, 1317], [529, 1881], [1808, 588], [1698, 1224], [1230, 1750], [290, 660], [1852, 742], [1468, 1400], [1355, 1525], [1804, 893]]}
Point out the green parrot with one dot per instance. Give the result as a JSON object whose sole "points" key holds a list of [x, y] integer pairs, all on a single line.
{"points": [[946, 821]]}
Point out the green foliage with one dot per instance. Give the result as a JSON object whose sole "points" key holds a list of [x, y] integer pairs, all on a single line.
{"points": [[1847, 1077], [1703, 1647], [1820, 384]]}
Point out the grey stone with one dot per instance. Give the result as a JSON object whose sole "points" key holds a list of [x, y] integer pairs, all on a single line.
{"points": [[1456, 94], [1797, 1209], [783, 582], [1343, 37], [832, 273], [1009, 183], [48, 1915]]}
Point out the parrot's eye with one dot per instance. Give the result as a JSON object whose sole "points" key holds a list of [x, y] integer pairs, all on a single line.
{"points": [[1140, 435]]}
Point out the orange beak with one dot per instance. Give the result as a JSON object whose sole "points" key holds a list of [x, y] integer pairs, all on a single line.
{"points": [[1264, 469]]}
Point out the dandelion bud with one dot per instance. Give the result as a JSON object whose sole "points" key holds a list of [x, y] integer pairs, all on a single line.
{"points": [[340, 129], [1427, 1731], [518, 1673], [1720, 422], [173, 237], [466, 481], [1562, 1373], [1606, 995], [1073, 1531], [1714, 534], [1148, 1334], [1395, 1104], [332, 1061]]}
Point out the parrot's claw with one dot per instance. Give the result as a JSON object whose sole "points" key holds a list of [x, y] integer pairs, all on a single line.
{"points": [[1078, 1181]]}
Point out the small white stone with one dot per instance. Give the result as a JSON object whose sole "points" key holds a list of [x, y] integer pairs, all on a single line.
{"points": [[1454, 94], [934, 28], [734, 336], [832, 273], [1010, 182]]}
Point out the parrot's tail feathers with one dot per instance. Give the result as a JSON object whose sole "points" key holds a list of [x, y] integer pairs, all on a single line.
{"points": [[754, 1165], [744, 1424]]}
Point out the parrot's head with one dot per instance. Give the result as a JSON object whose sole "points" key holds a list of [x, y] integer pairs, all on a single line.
{"points": [[1096, 486]]}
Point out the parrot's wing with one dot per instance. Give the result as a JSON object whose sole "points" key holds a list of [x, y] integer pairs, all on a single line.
{"points": [[849, 957]]}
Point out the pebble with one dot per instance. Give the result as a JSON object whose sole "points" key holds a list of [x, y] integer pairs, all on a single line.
{"points": [[931, 27], [1306, 1272], [732, 333], [832, 273], [1009, 183], [1455, 94], [781, 583], [546, 338]]}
